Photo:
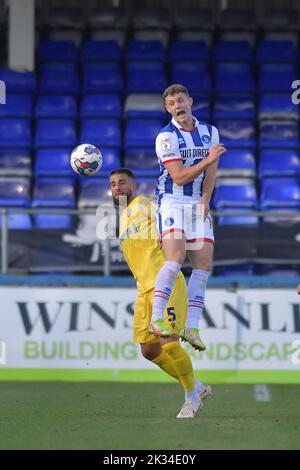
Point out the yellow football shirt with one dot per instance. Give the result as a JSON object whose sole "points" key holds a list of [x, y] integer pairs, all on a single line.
{"points": [[138, 235]]}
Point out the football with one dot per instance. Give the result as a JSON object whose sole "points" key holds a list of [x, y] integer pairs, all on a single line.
{"points": [[86, 159]]}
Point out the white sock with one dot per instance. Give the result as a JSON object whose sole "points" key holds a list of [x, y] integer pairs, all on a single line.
{"points": [[193, 396], [196, 295], [163, 288]]}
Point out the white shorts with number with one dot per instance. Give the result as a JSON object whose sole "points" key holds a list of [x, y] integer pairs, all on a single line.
{"points": [[184, 218]]}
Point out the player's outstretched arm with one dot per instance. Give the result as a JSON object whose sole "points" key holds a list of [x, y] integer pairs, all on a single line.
{"points": [[182, 175]]}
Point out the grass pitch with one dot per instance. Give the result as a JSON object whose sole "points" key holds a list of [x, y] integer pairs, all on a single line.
{"points": [[111, 416]]}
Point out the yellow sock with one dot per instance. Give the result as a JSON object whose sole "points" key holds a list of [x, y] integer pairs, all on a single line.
{"points": [[165, 363], [182, 364]]}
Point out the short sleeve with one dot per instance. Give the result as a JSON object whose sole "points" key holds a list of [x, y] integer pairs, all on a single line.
{"points": [[167, 148], [214, 137]]}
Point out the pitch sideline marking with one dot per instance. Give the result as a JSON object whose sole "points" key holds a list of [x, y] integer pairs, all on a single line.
{"points": [[262, 392]]}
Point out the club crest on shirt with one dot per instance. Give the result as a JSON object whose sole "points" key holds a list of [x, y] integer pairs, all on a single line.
{"points": [[166, 145], [169, 221], [129, 212], [206, 139]]}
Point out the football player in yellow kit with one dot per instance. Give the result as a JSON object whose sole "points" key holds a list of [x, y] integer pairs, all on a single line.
{"points": [[139, 243]]}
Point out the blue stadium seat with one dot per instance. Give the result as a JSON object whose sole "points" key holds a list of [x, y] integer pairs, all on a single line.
{"points": [[144, 50], [104, 105], [101, 132], [190, 19], [269, 50], [15, 162], [94, 191], [53, 193], [237, 134], [237, 162], [145, 77], [17, 106], [102, 77], [141, 133], [274, 215], [18, 82], [144, 106], [277, 106], [102, 16], [18, 221], [234, 77], [65, 17], [111, 160], [240, 220], [72, 35], [201, 106], [280, 193], [142, 162], [274, 162], [53, 162], [280, 270], [281, 19], [194, 75], [234, 107], [98, 51], [151, 18], [231, 193], [55, 133], [243, 269], [182, 51], [279, 134], [276, 77], [59, 78], [15, 133], [56, 106], [145, 186], [234, 19], [57, 51], [233, 51], [14, 192]]}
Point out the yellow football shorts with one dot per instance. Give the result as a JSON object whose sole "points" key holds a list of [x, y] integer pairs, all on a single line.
{"points": [[175, 312]]}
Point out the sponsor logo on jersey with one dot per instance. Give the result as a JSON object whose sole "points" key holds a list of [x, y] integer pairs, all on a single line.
{"points": [[169, 221]]}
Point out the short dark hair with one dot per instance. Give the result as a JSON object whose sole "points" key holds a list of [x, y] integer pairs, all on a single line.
{"points": [[173, 89], [120, 171]]}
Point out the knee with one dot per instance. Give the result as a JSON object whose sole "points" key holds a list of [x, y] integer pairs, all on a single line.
{"points": [[149, 353]]}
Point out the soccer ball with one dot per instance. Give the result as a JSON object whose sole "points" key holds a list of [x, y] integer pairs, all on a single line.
{"points": [[86, 159]]}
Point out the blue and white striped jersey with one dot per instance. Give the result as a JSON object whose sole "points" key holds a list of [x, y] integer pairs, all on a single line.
{"points": [[174, 143]]}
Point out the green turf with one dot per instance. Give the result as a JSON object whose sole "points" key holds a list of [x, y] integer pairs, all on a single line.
{"points": [[110, 416]]}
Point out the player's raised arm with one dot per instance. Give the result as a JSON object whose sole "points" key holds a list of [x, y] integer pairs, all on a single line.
{"points": [[182, 175]]}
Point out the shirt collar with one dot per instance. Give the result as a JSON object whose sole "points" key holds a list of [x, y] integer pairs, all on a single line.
{"points": [[196, 122]]}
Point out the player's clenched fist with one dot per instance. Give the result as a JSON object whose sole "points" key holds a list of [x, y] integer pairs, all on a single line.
{"points": [[215, 152]]}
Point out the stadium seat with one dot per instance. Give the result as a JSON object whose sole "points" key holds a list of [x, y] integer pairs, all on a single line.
{"points": [[234, 107], [182, 51], [234, 77], [119, 36], [144, 50], [151, 18], [98, 51], [141, 133], [15, 162], [280, 270], [279, 134], [102, 77], [18, 82], [276, 51], [17, 221], [55, 133], [277, 106], [201, 107], [103, 18], [144, 106], [243, 269], [194, 75], [281, 216], [14, 192], [240, 220], [237, 162], [194, 19], [274, 162], [94, 191], [53, 193], [281, 19], [104, 105], [53, 162], [280, 193], [65, 17], [15, 133], [152, 35], [101, 132], [56, 106], [111, 160], [57, 51], [276, 77], [145, 186], [237, 20], [231, 193], [237, 134], [59, 78], [142, 162], [17, 106], [196, 35], [145, 77], [70, 35], [233, 51]]}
